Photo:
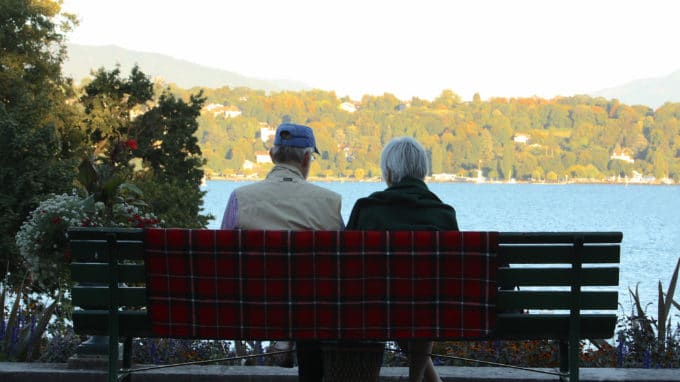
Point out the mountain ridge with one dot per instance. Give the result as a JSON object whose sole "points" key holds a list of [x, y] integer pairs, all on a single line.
{"points": [[652, 92], [82, 59]]}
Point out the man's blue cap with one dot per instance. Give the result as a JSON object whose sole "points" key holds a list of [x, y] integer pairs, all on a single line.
{"points": [[290, 134]]}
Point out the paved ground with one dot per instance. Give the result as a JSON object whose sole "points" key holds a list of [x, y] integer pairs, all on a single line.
{"points": [[42, 372]]}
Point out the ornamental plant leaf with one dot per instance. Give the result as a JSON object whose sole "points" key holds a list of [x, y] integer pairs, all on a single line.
{"points": [[671, 288], [2, 304], [31, 341], [665, 305], [110, 189], [127, 187], [87, 175], [13, 316], [641, 317]]}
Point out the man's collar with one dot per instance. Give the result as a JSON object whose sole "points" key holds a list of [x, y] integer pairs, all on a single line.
{"points": [[283, 167]]}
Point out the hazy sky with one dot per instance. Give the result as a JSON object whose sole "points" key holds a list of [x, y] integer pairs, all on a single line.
{"points": [[411, 48]]}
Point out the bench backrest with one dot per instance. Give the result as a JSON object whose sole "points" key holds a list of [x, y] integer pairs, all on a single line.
{"points": [[567, 280], [550, 270]]}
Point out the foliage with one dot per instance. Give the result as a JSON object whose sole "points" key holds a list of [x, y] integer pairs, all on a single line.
{"points": [[40, 139]]}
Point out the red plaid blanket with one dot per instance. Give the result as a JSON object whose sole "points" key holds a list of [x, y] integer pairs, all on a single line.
{"points": [[321, 284]]}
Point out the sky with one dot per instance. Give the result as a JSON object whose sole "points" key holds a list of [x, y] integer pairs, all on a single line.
{"points": [[497, 48]]}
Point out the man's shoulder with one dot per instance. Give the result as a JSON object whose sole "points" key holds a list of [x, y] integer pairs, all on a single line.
{"points": [[248, 186], [304, 187], [321, 190]]}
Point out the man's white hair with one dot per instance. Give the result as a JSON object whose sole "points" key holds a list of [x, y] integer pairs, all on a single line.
{"points": [[404, 157], [286, 154]]}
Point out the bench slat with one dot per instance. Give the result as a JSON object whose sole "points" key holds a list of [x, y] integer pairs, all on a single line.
{"points": [[559, 237], [102, 233], [510, 326], [98, 296], [539, 326], [605, 276], [99, 273], [555, 300], [95, 322], [557, 254], [97, 250]]}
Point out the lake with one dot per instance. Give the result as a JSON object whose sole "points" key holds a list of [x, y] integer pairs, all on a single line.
{"points": [[648, 216]]}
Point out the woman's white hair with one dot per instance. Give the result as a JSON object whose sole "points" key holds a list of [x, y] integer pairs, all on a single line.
{"points": [[404, 157]]}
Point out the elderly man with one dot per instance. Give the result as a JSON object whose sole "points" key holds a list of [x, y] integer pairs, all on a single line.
{"points": [[286, 201], [406, 204]]}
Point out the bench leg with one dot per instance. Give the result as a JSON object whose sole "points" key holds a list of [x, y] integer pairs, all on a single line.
{"points": [[127, 357], [564, 358]]}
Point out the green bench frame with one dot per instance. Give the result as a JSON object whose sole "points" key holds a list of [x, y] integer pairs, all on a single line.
{"points": [[106, 260]]}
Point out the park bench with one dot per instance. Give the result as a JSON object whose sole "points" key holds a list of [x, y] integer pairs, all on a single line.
{"points": [[344, 285]]}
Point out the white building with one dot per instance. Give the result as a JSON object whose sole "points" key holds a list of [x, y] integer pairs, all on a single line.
{"points": [[266, 132], [521, 138], [621, 156], [348, 107], [262, 157], [231, 112], [217, 109]]}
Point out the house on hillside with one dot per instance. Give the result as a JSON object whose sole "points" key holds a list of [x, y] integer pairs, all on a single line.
{"points": [[348, 107], [266, 132], [217, 109], [521, 138], [262, 157], [620, 155]]}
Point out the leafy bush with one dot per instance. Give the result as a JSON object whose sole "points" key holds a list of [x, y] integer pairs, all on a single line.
{"points": [[60, 347], [170, 350], [42, 238]]}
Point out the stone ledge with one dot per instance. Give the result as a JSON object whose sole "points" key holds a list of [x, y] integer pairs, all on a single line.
{"points": [[49, 372]]}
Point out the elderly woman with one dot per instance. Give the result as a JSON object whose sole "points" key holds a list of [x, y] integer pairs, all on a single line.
{"points": [[406, 204]]}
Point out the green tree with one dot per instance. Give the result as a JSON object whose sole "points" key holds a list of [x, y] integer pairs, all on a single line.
{"points": [[39, 139], [507, 162], [161, 136], [170, 149]]}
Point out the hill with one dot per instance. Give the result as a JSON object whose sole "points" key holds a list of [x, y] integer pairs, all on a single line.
{"points": [[84, 58], [652, 92]]}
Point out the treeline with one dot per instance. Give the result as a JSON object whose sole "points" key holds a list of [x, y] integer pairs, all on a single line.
{"points": [[566, 137]]}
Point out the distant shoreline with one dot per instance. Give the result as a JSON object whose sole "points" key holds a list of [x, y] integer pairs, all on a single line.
{"points": [[621, 182]]}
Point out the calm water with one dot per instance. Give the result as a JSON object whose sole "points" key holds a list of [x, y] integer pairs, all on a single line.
{"points": [[648, 216]]}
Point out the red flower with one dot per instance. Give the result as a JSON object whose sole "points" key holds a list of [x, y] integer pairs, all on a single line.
{"points": [[56, 220], [131, 143]]}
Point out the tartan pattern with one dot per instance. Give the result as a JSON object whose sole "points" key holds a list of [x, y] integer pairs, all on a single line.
{"points": [[372, 285]]}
